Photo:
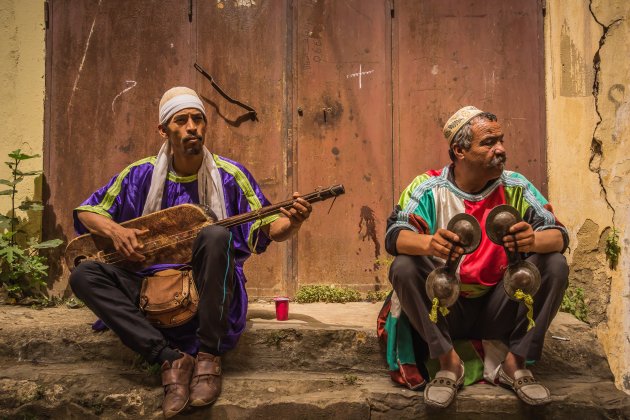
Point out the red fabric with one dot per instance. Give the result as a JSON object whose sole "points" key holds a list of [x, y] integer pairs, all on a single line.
{"points": [[409, 376], [381, 332], [487, 264], [435, 172], [419, 223]]}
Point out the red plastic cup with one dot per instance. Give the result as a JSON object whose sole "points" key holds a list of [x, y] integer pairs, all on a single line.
{"points": [[282, 308]]}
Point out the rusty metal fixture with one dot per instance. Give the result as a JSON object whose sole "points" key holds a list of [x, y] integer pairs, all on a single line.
{"points": [[499, 221], [443, 282]]}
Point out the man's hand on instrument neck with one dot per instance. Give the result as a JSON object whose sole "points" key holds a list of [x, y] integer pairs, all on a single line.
{"points": [[125, 240], [282, 228]]}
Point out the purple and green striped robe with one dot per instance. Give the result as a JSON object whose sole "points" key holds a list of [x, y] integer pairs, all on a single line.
{"points": [[123, 199]]}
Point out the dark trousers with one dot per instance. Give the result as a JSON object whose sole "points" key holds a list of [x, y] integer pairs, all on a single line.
{"points": [[492, 316], [113, 294]]}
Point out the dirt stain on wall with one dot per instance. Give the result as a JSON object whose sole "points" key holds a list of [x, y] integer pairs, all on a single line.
{"points": [[367, 230]]}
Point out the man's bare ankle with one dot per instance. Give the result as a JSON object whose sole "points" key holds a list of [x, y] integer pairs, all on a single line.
{"points": [[451, 362], [512, 363]]}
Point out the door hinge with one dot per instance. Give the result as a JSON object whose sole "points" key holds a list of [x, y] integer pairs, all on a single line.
{"points": [[190, 10], [543, 7], [391, 9]]}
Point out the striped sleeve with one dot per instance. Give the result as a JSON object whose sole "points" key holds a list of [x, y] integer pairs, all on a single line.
{"points": [[415, 211], [532, 205], [248, 198], [117, 200]]}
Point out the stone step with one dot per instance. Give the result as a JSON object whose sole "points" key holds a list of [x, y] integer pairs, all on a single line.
{"points": [[88, 390], [317, 337], [311, 340]]}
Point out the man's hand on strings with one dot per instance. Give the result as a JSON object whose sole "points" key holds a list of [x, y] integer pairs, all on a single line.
{"points": [[126, 242], [299, 212]]}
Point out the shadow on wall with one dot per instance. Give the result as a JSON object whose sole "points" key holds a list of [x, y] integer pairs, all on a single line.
{"points": [[57, 273]]}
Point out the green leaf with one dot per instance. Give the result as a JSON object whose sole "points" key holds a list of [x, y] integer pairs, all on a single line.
{"points": [[53, 243], [6, 192], [10, 253], [17, 154], [31, 205], [27, 173], [6, 182], [5, 223]]}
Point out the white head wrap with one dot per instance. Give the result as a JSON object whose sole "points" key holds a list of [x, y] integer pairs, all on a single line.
{"points": [[208, 177]]}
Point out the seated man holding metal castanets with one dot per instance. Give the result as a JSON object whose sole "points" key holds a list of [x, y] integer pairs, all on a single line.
{"points": [[417, 235]]}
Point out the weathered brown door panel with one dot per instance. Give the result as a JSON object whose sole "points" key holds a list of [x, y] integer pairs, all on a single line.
{"points": [[104, 84], [343, 110], [243, 46], [452, 53]]}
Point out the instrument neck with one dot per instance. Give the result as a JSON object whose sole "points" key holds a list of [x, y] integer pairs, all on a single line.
{"points": [[267, 211]]}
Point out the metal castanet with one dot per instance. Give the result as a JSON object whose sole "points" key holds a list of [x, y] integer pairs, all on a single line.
{"points": [[443, 282], [519, 275], [171, 233]]}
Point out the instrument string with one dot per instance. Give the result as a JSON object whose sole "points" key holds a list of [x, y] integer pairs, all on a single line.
{"points": [[166, 241]]}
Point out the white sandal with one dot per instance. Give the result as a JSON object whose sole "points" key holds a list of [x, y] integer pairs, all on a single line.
{"points": [[528, 389], [441, 391]]}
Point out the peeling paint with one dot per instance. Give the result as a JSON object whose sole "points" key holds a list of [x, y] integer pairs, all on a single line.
{"points": [[588, 270], [575, 72]]}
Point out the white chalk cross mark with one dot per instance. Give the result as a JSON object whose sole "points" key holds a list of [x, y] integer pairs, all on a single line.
{"points": [[360, 75]]}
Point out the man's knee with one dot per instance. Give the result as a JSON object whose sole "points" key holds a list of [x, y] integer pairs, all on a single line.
{"points": [[404, 270], [214, 234], [554, 266], [81, 277]]}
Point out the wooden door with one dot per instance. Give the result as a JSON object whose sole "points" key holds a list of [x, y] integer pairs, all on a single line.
{"points": [[343, 107]]}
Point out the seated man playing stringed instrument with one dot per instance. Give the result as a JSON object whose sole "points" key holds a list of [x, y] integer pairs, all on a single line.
{"points": [[474, 184], [184, 171]]}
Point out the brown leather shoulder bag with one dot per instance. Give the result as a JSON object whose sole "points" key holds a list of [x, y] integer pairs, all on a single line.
{"points": [[169, 298]]}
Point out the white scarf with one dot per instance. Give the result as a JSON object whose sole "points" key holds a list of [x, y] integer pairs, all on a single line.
{"points": [[208, 180]]}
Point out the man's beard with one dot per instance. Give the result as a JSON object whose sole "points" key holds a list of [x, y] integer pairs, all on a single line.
{"points": [[196, 148]]}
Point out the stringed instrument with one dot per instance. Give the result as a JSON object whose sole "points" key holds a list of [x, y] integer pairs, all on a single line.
{"points": [[171, 233]]}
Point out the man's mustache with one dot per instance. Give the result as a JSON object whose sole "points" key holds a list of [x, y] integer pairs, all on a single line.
{"points": [[498, 160], [187, 138]]}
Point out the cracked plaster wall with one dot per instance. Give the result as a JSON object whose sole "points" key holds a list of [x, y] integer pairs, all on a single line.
{"points": [[22, 89], [587, 47]]}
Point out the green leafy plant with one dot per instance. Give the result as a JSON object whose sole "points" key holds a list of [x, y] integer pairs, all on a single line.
{"points": [[613, 249], [326, 293], [573, 303], [377, 295], [22, 269]]}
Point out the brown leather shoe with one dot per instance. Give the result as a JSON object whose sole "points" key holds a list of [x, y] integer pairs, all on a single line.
{"points": [[176, 381], [205, 385]]}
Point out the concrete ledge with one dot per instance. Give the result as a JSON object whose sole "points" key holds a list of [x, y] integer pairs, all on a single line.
{"points": [[323, 363]]}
